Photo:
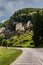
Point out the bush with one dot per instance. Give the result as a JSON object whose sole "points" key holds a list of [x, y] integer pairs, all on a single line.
{"points": [[25, 41], [7, 42]]}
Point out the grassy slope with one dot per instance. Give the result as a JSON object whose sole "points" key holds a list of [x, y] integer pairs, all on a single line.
{"points": [[8, 55]]}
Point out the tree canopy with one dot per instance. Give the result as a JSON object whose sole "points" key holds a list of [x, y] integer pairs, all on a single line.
{"points": [[37, 21]]}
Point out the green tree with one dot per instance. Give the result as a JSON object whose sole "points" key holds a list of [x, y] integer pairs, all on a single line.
{"points": [[37, 27], [1, 39]]}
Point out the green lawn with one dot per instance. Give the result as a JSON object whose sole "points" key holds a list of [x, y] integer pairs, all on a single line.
{"points": [[8, 55]]}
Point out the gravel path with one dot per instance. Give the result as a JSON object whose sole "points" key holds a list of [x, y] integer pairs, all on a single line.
{"points": [[30, 56]]}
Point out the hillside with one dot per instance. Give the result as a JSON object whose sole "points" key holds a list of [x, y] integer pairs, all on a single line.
{"points": [[19, 26], [20, 16], [23, 15], [19, 20], [23, 40]]}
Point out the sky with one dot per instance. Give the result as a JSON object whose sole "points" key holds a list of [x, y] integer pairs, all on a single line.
{"points": [[8, 7]]}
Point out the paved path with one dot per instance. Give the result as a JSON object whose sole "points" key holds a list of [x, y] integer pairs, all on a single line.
{"points": [[30, 56]]}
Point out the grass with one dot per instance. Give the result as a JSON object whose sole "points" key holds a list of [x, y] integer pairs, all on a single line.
{"points": [[8, 55]]}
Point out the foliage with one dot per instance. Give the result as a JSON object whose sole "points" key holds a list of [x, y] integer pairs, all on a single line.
{"points": [[1, 39], [37, 28], [18, 40], [22, 15], [1, 25], [23, 40], [6, 42]]}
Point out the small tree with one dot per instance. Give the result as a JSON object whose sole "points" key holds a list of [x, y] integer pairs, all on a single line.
{"points": [[1, 39]]}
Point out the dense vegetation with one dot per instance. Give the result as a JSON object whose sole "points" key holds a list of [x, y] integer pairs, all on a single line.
{"points": [[18, 40], [38, 28], [28, 38], [22, 15], [23, 40], [35, 15]]}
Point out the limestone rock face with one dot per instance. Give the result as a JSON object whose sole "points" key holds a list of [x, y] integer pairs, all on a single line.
{"points": [[2, 30], [19, 27]]}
